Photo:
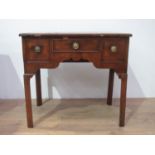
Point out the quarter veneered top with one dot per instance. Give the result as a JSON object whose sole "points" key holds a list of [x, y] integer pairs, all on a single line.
{"points": [[76, 34]]}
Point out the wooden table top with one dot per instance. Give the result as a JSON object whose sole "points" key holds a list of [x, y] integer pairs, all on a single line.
{"points": [[76, 34]]}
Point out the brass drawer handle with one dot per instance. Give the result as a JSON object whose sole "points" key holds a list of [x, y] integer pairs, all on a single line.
{"points": [[37, 49], [75, 45], [113, 49]]}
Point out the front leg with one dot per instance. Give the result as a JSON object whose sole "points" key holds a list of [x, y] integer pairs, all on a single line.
{"points": [[123, 77], [27, 78]]}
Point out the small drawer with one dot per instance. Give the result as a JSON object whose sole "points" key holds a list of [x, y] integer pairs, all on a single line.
{"points": [[115, 49], [75, 45], [36, 49]]}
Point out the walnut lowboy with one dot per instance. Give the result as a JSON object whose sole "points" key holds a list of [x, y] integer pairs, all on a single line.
{"points": [[48, 50]]}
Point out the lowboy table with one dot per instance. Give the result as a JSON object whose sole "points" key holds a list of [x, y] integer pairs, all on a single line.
{"points": [[47, 50]]}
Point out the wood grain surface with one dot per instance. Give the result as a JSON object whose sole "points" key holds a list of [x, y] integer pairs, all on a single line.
{"points": [[78, 117]]}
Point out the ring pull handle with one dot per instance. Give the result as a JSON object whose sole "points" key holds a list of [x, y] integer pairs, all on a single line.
{"points": [[113, 49], [37, 49], [75, 45]]}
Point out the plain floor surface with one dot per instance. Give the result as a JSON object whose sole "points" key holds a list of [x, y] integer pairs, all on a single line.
{"points": [[78, 116]]}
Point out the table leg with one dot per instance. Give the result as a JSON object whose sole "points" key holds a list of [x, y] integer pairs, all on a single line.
{"points": [[123, 99], [38, 88], [27, 78], [110, 86]]}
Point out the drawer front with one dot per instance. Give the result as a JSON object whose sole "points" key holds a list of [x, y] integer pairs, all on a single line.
{"points": [[75, 45], [115, 49], [36, 49]]}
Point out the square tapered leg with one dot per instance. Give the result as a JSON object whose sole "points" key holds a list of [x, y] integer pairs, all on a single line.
{"points": [[38, 88], [27, 78], [110, 86], [123, 99]]}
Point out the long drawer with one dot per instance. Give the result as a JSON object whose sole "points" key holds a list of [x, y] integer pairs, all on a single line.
{"points": [[110, 49]]}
